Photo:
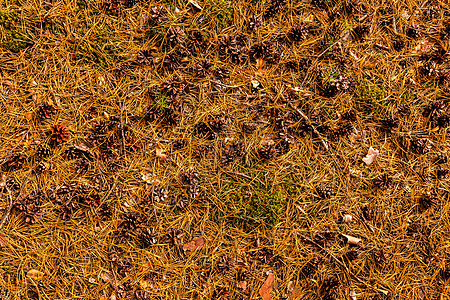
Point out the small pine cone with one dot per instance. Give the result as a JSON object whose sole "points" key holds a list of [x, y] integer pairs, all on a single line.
{"points": [[176, 36], [125, 291], [191, 177], [59, 134], [441, 158], [389, 123], [233, 152], [445, 32], [383, 182], [45, 111], [178, 144], [431, 69], [147, 237], [421, 146], [427, 201], [352, 254], [254, 22], [180, 201], [226, 264], [276, 6], [174, 237], [329, 287], [159, 194], [310, 267], [413, 32], [367, 212], [115, 253], [326, 191], [434, 108], [104, 212], [443, 121], [249, 127], [43, 151], [267, 149], [299, 33], [42, 167], [15, 162], [144, 57], [29, 207], [403, 110], [143, 295], [157, 13]]}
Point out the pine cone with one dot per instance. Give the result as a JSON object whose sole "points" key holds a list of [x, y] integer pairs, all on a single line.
{"points": [[403, 110], [157, 13], [383, 181], [43, 151], [45, 111], [299, 33], [59, 134], [267, 149], [413, 32], [441, 159], [15, 162], [326, 191], [174, 237], [276, 6], [421, 146], [176, 36], [389, 123], [226, 264], [159, 194], [367, 212], [254, 22], [147, 237], [29, 207], [145, 57], [233, 152]]}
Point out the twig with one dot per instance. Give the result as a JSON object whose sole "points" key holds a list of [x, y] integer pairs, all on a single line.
{"points": [[324, 143], [339, 262]]}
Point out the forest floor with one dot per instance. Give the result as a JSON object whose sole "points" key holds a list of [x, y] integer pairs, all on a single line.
{"points": [[218, 149]]}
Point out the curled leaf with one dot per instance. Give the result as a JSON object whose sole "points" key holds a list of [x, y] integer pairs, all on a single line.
{"points": [[371, 156], [266, 289], [35, 274], [194, 245], [161, 154], [352, 240]]}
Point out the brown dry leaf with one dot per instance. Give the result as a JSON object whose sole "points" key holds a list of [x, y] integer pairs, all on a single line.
{"points": [[194, 245], [161, 154], [266, 289], [29, 116], [242, 285], [35, 274], [352, 240], [371, 156]]}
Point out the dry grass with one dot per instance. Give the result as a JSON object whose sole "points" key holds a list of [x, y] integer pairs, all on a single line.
{"points": [[261, 207]]}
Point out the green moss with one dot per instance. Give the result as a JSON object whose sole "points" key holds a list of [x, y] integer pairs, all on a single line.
{"points": [[370, 96]]}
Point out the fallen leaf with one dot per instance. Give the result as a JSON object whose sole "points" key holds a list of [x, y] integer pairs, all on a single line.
{"points": [[371, 156], [266, 289], [161, 154], [35, 274], [347, 218], [29, 116], [352, 240], [242, 285], [194, 245]]}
